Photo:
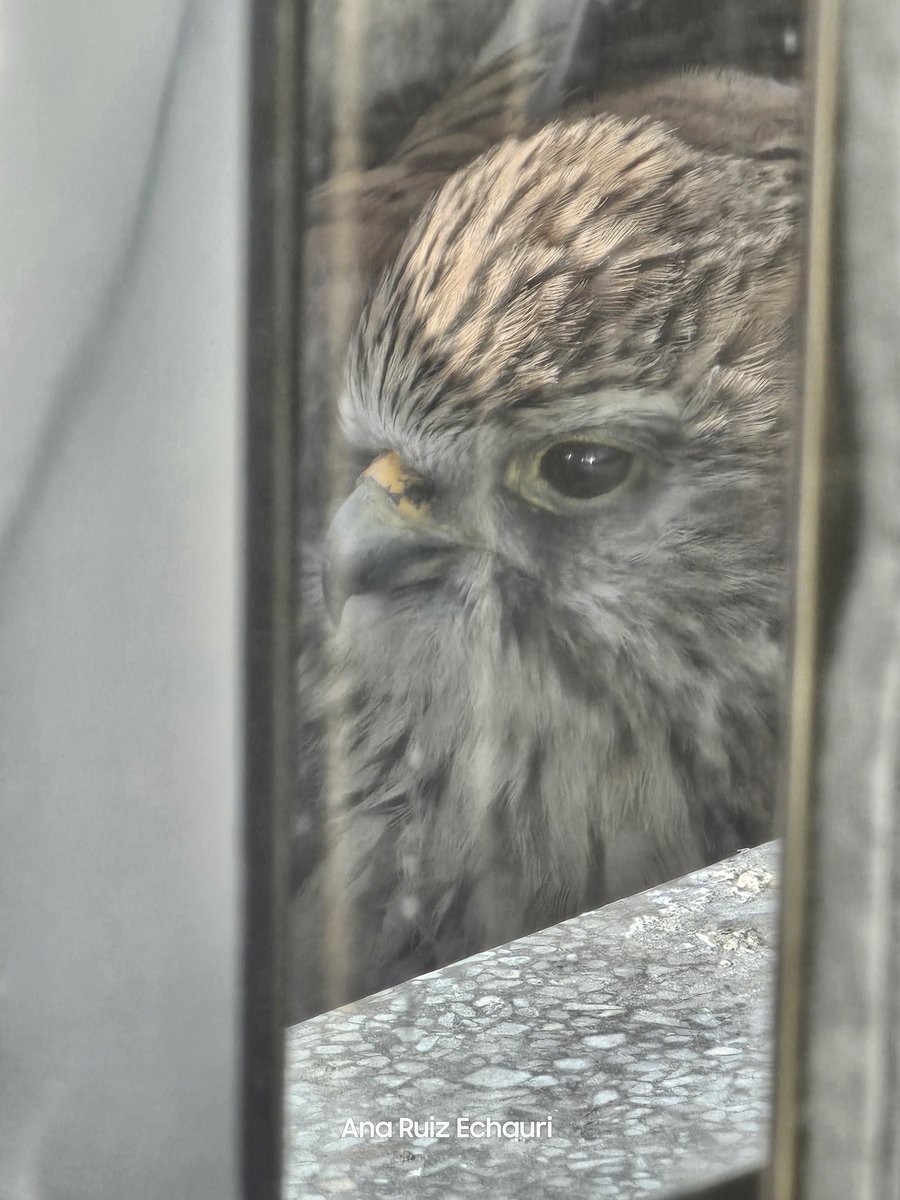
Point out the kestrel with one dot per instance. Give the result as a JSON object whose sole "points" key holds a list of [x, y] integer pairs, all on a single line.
{"points": [[557, 590]]}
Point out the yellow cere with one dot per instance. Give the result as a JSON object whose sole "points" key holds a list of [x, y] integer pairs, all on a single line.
{"points": [[391, 474]]}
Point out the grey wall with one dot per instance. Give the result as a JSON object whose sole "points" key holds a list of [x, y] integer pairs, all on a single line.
{"points": [[121, 328]]}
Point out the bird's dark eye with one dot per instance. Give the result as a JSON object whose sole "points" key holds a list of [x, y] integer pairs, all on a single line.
{"points": [[583, 470]]}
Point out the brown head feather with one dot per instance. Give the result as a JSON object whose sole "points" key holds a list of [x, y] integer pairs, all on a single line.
{"points": [[595, 253]]}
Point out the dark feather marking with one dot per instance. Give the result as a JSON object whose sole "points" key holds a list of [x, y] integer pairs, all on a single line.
{"points": [[634, 130], [666, 327], [387, 358], [778, 154], [431, 369], [654, 260], [464, 218], [520, 285], [528, 161], [413, 333], [639, 160], [510, 206]]}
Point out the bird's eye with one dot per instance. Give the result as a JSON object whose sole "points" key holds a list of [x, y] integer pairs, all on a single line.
{"points": [[583, 470]]}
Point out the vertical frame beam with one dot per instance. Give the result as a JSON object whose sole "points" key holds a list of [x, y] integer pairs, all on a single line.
{"points": [[275, 227], [813, 601]]}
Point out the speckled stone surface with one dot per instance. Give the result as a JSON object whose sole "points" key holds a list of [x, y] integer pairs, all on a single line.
{"points": [[643, 1031]]}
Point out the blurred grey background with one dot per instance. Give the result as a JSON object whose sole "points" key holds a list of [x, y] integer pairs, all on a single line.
{"points": [[122, 131]]}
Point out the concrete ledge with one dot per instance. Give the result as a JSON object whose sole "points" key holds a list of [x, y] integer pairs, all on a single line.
{"points": [[643, 1031]]}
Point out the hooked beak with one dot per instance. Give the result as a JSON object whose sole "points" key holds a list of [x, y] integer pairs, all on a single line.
{"points": [[383, 537]]}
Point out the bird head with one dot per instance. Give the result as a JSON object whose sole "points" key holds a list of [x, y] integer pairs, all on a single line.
{"points": [[576, 374]]}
